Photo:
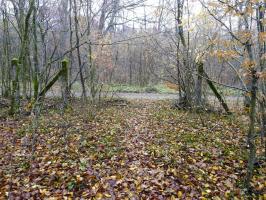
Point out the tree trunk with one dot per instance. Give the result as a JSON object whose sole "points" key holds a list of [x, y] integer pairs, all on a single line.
{"points": [[24, 50], [216, 93], [15, 94], [251, 131], [251, 103], [188, 78], [260, 15], [6, 84], [198, 89], [61, 72], [84, 95], [35, 56], [65, 83]]}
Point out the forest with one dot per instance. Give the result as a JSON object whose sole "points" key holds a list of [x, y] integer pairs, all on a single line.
{"points": [[133, 99]]}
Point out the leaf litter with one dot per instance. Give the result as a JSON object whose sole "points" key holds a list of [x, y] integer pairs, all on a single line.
{"points": [[142, 150]]}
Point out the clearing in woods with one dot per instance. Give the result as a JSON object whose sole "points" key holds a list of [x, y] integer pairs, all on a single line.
{"points": [[139, 149]]}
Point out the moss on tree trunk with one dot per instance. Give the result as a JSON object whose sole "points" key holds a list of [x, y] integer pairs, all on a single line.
{"points": [[15, 93], [216, 93], [65, 82]]}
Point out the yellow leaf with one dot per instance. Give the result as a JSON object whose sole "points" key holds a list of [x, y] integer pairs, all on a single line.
{"points": [[208, 191], [79, 178], [185, 176], [179, 194], [99, 196], [45, 192], [113, 177], [227, 193], [107, 195], [173, 197]]}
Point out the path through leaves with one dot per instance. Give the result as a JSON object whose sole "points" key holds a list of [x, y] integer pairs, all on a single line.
{"points": [[142, 150]]}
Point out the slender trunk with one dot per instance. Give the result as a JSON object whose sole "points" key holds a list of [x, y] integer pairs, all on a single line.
{"points": [[198, 89], [140, 69], [92, 70], [263, 124], [188, 78], [24, 50], [251, 131], [252, 87], [6, 85], [70, 42], [130, 71], [262, 50], [61, 73], [65, 83], [216, 93], [35, 55], [78, 51], [15, 95]]}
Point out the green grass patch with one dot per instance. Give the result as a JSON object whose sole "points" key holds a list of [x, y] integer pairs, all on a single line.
{"points": [[159, 88]]}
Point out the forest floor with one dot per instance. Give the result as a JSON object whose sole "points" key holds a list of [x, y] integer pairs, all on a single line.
{"points": [[137, 149]]}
